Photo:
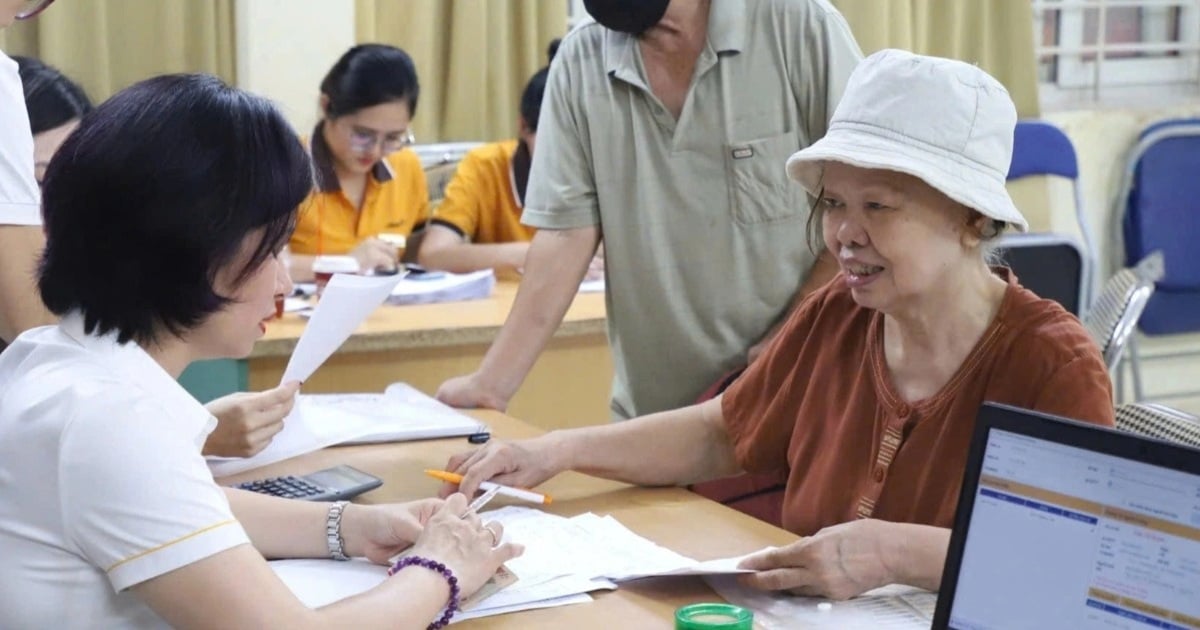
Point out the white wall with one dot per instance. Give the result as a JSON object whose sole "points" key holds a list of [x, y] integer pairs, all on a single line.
{"points": [[285, 47]]}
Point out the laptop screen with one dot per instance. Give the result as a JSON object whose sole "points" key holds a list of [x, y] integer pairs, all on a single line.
{"points": [[1064, 537]]}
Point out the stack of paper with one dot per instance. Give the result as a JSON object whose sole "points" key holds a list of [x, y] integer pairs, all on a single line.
{"points": [[564, 559], [319, 420], [892, 607], [443, 287]]}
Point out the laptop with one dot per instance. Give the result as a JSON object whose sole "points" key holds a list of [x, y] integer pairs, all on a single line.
{"points": [[1067, 525]]}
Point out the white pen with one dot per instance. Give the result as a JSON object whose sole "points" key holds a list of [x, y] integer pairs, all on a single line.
{"points": [[481, 501]]}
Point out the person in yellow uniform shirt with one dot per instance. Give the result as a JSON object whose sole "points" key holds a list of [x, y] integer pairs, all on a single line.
{"points": [[367, 182], [478, 223]]}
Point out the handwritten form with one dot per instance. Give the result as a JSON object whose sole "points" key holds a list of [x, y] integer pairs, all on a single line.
{"points": [[345, 303], [564, 559]]}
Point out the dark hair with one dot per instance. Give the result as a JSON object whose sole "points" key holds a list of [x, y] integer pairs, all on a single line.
{"points": [[52, 99], [531, 98], [155, 193], [369, 75]]}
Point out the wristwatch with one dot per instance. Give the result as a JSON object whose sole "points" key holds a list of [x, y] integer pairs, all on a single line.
{"points": [[333, 531]]}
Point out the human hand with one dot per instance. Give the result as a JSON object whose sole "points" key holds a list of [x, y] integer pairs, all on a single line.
{"points": [[378, 532], [375, 253], [471, 550], [522, 464], [468, 392], [838, 562], [248, 421]]}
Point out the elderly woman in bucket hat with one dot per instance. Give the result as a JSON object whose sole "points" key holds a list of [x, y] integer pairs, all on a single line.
{"points": [[868, 397]]}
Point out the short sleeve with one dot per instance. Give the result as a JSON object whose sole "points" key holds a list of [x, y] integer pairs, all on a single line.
{"points": [[562, 191], [465, 198], [19, 196], [414, 180], [761, 408], [1081, 389], [138, 499], [830, 54]]}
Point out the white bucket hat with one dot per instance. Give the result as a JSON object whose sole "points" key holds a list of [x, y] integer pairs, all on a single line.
{"points": [[947, 122]]}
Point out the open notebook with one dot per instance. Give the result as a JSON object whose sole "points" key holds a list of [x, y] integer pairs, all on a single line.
{"points": [[401, 413]]}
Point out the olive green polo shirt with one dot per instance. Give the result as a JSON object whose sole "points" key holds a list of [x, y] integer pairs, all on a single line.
{"points": [[704, 234]]}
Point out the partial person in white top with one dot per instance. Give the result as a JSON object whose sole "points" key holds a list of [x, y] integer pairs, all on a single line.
{"points": [[109, 516], [246, 421], [21, 239]]}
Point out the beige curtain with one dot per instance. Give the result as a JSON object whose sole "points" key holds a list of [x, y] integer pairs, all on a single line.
{"points": [[473, 58], [106, 45], [995, 34]]}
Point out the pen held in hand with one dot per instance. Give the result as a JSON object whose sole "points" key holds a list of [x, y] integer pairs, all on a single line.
{"points": [[481, 501], [508, 491]]}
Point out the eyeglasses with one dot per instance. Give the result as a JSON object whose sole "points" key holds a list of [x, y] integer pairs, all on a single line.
{"points": [[31, 8], [363, 140]]}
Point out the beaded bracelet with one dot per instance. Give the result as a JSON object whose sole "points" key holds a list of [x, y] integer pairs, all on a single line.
{"points": [[433, 565]]}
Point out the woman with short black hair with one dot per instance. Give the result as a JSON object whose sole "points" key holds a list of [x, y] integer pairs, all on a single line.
{"points": [[164, 214]]}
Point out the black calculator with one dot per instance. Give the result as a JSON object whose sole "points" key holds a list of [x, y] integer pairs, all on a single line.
{"points": [[332, 484]]}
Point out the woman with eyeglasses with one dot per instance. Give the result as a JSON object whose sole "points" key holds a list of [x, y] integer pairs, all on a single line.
{"points": [[21, 237], [365, 183]]}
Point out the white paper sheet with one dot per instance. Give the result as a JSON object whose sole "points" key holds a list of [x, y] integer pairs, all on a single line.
{"points": [[564, 559], [318, 420], [592, 286], [345, 303], [889, 608], [443, 287]]}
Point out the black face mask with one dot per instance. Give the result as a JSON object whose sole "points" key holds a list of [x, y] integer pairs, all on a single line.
{"points": [[627, 16]]}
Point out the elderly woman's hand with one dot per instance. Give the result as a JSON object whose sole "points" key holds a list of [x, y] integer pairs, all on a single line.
{"points": [[838, 562], [471, 550], [521, 463], [247, 421]]}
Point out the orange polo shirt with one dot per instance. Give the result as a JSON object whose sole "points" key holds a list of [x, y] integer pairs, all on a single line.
{"points": [[481, 201], [819, 405], [396, 201]]}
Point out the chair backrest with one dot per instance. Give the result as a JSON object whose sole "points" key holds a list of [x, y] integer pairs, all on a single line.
{"points": [[1040, 148], [1050, 265], [440, 161], [1159, 421], [1159, 207], [1113, 317]]}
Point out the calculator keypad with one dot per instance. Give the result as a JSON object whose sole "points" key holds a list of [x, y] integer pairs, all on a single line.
{"points": [[290, 487]]}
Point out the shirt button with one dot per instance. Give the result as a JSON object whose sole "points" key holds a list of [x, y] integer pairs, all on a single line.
{"points": [[878, 474]]}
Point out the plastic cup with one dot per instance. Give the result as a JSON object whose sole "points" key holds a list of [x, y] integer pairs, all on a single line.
{"points": [[325, 266], [713, 616]]}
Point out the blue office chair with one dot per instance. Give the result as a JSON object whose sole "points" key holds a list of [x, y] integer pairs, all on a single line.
{"points": [[1159, 209], [1040, 148]]}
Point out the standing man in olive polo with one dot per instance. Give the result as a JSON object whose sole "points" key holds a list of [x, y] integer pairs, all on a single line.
{"points": [[664, 131]]}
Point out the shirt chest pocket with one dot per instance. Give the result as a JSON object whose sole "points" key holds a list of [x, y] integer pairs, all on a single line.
{"points": [[761, 190]]}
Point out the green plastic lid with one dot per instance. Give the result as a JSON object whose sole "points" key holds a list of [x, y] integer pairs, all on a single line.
{"points": [[712, 616]]}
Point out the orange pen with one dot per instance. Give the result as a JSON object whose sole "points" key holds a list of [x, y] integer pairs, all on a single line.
{"points": [[516, 493]]}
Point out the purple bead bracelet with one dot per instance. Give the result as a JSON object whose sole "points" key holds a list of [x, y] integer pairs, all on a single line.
{"points": [[438, 567]]}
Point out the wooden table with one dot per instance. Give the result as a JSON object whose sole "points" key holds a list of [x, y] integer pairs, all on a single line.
{"points": [[423, 345], [672, 517]]}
